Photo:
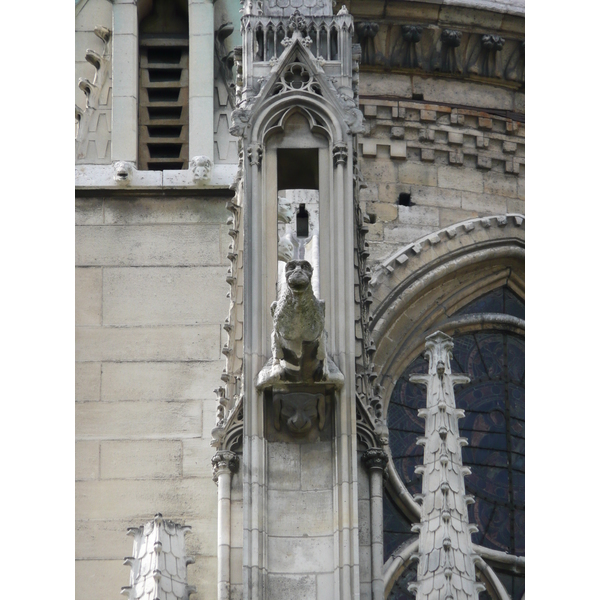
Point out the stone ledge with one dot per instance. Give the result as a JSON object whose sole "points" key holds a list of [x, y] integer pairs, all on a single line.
{"points": [[102, 176]]}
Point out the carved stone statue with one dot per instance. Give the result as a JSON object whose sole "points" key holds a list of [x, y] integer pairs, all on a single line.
{"points": [[201, 167], [123, 172], [298, 341]]}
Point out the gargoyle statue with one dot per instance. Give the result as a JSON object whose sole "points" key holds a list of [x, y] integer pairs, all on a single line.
{"points": [[299, 339]]}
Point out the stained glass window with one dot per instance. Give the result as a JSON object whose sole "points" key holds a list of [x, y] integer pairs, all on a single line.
{"points": [[494, 424]]}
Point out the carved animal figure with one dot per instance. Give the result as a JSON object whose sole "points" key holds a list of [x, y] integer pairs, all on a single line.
{"points": [[298, 326]]}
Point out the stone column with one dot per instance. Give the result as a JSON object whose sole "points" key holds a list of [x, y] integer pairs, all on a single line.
{"points": [[125, 78], [202, 78], [224, 464], [375, 459]]}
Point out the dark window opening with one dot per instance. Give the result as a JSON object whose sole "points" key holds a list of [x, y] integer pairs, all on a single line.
{"points": [[298, 169], [163, 95], [418, 97], [156, 75], [404, 199]]}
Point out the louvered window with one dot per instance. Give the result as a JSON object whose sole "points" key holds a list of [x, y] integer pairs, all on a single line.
{"points": [[163, 109], [164, 87]]}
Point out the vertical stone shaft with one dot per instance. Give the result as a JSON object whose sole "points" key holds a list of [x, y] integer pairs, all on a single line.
{"points": [[376, 461], [224, 463], [446, 568]]}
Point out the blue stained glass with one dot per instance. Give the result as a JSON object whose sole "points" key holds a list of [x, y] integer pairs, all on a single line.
{"points": [[501, 300], [399, 590], [494, 424]]}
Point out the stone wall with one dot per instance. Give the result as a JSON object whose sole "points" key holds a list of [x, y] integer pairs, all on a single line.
{"points": [[150, 298], [428, 165]]}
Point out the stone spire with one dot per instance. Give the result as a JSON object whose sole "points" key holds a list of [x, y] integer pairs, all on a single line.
{"points": [[446, 558], [159, 563]]}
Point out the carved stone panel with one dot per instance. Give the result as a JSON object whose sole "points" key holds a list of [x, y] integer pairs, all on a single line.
{"points": [[299, 414]]}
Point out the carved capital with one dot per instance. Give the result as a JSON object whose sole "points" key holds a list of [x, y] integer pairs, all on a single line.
{"points": [[375, 458], [340, 153], [224, 461], [412, 33]]}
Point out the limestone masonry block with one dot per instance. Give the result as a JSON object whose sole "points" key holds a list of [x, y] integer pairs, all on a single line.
{"points": [[88, 296], [317, 469], [159, 380], [460, 179], [455, 137], [197, 454], [139, 498], [417, 173], [87, 381], [418, 215], [87, 460], [427, 154], [484, 203], [298, 586], [173, 210], [153, 459], [500, 184], [88, 211], [99, 579], [295, 514], [284, 466], [183, 343], [101, 540], [430, 196], [138, 420], [164, 295], [156, 245], [301, 555]]}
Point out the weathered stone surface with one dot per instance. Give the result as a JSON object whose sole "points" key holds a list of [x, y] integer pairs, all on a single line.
{"points": [[460, 179], [87, 381], [285, 586], [138, 420], [479, 95], [99, 579], [417, 173], [433, 196], [139, 499], [88, 211], [484, 203], [450, 216], [170, 210], [197, 454], [160, 380], [299, 514], [139, 245], [389, 192], [373, 83], [301, 555], [144, 343], [500, 184], [87, 460], [203, 574], [88, 296], [515, 206], [418, 215], [164, 295], [284, 466], [378, 170], [153, 459], [102, 540], [407, 233], [317, 468]]}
